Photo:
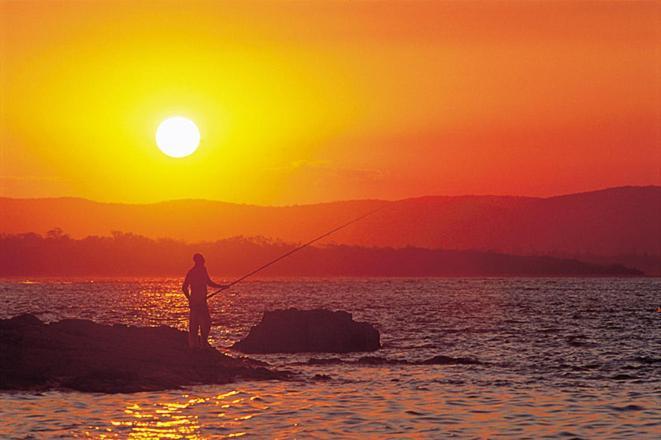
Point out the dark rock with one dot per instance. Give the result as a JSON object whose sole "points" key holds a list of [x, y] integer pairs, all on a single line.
{"points": [[24, 320], [378, 360], [82, 355], [623, 377], [448, 360], [320, 331], [647, 360], [365, 360], [322, 377]]}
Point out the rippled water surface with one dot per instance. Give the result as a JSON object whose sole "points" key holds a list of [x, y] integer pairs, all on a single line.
{"points": [[560, 358]]}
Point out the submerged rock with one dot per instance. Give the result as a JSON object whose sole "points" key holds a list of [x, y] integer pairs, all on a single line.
{"points": [[378, 360], [85, 356], [320, 331], [449, 360]]}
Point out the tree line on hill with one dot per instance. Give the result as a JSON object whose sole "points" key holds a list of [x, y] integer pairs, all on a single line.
{"points": [[126, 254]]}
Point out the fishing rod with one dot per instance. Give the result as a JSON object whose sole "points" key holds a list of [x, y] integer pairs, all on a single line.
{"points": [[285, 255]]}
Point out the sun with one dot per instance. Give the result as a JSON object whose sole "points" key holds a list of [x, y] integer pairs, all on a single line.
{"points": [[177, 136]]}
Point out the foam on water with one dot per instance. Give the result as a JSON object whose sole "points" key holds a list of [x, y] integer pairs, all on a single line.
{"points": [[559, 357]]}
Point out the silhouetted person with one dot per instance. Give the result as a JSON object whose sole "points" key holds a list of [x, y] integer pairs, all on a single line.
{"points": [[195, 289]]}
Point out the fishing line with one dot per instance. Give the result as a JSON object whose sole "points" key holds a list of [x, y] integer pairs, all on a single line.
{"points": [[303, 246]]}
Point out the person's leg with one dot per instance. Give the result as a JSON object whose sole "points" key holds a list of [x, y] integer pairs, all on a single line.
{"points": [[205, 326], [193, 325]]}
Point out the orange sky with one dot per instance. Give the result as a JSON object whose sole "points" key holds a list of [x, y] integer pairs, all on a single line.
{"points": [[310, 101]]}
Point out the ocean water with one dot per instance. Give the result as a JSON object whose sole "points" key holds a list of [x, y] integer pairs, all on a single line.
{"points": [[561, 358]]}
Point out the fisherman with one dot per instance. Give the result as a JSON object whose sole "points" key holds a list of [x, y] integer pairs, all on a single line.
{"points": [[195, 289]]}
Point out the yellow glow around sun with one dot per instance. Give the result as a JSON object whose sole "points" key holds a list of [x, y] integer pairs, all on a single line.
{"points": [[177, 136]]}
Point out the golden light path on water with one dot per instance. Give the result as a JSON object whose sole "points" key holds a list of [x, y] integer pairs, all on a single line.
{"points": [[170, 419], [348, 410]]}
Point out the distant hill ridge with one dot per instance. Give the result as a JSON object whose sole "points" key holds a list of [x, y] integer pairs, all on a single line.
{"points": [[614, 221]]}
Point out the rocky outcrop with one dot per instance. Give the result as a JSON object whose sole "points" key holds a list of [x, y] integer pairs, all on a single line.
{"points": [[299, 331], [82, 355]]}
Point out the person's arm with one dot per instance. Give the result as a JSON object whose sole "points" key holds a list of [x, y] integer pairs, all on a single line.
{"points": [[186, 286], [213, 284]]}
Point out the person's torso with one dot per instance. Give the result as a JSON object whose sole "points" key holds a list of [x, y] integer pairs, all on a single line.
{"points": [[198, 278]]}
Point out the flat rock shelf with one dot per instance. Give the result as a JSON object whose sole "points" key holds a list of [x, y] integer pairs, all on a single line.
{"points": [[85, 356]]}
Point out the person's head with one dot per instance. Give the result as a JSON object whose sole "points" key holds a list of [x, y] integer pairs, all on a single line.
{"points": [[198, 259]]}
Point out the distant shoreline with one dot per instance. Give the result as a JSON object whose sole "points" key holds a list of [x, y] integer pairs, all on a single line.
{"points": [[130, 255]]}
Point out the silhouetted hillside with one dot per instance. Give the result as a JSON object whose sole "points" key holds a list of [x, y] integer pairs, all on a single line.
{"points": [[615, 221], [127, 254]]}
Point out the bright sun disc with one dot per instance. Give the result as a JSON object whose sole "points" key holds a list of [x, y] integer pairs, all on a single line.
{"points": [[177, 136]]}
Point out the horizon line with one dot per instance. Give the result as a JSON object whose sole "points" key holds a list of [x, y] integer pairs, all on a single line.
{"points": [[368, 199]]}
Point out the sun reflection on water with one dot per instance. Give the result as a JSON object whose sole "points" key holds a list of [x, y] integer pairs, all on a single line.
{"points": [[164, 420], [178, 419]]}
